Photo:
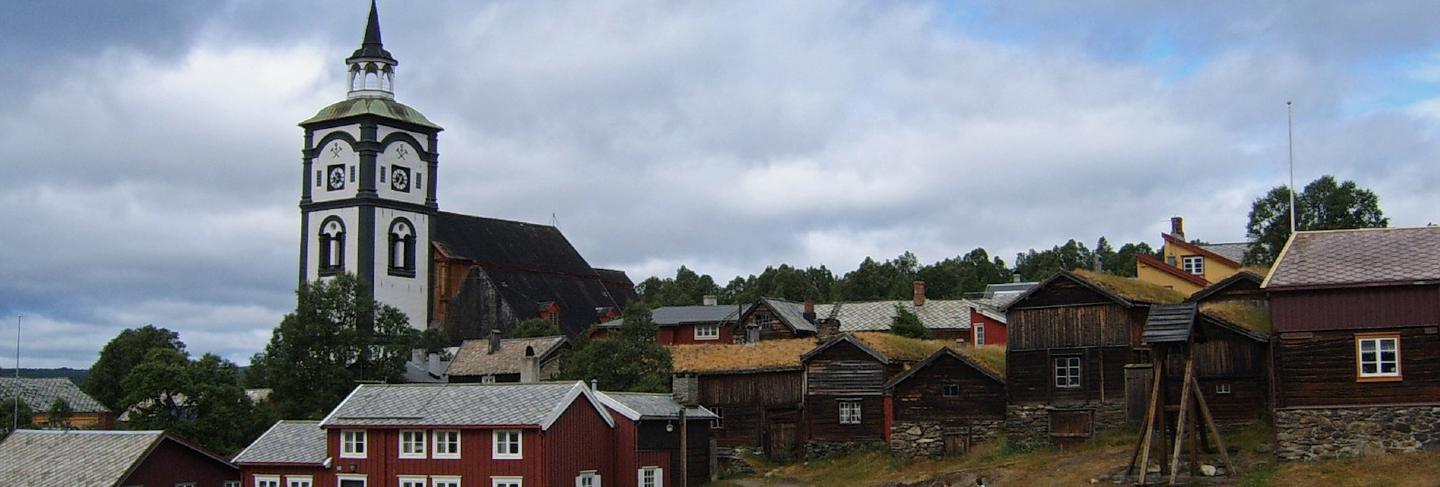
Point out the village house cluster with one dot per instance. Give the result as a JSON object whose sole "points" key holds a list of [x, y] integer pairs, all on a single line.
{"points": [[1336, 343]]}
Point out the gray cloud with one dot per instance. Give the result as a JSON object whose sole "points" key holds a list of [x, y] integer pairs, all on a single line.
{"points": [[153, 170]]}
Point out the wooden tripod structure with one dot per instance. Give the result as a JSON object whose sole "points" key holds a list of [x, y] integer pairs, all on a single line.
{"points": [[1165, 337]]}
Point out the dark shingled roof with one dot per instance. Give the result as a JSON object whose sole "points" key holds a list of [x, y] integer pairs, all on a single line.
{"points": [[39, 394], [530, 264], [1169, 323], [622, 289], [287, 442], [666, 316], [1355, 258]]}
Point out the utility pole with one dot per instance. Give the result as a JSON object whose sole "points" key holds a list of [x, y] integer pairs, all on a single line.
{"points": [[1290, 130], [15, 407]]}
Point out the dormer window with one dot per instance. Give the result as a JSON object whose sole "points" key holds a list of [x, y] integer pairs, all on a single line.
{"points": [[1194, 264], [332, 246], [402, 248]]}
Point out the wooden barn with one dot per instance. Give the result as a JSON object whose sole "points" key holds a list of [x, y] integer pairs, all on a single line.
{"points": [[1070, 339], [845, 380], [648, 440], [775, 319], [1232, 349], [754, 389], [947, 402], [1357, 314]]}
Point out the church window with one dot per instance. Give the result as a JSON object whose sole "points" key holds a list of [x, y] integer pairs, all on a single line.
{"points": [[402, 248], [419, 178], [319, 179], [352, 174], [382, 174], [332, 246]]}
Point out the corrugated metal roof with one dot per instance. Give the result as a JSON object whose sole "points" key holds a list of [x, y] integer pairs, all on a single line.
{"points": [[74, 457], [39, 394], [1169, 323], [1358, 257], [288, 441]]}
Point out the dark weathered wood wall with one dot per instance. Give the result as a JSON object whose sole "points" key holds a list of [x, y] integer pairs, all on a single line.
{"points": [[1030, 375], [752, 403], [822, 419], [1318, 369], [1072, 326], [921, 397], [1341, 309], [844, 369]]}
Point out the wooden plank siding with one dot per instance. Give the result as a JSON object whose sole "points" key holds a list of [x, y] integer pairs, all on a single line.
{"points": [[751, 404], [1318, 369], [1359, 308], [1066, 327], [1030, 375], [921, 397], [845, 372], [572, 445], [822, 419]]}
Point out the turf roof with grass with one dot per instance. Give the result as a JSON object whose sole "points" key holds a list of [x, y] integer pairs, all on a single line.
{"points": [[907, 349], [1131, 289], [764, 355], [1249, 317]]}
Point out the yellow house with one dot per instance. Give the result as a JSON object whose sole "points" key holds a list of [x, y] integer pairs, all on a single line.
{"points": [[1187, 267]]}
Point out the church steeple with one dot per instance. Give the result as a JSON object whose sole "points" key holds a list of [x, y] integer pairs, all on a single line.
{"points": [[372, 68]]}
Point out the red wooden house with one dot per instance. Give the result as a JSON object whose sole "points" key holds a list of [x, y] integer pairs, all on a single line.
{"points": [[987, 325], [684, 325], [1357, 314], [648, 439], [142, 458], [289, 454]]}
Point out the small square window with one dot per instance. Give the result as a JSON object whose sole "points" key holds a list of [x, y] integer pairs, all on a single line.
{"points": [[1067, 372], [952, 390], [1194, 264], [507, 445], [352, 444], [707, 332], [447, 443], [1222, 388], [412, 444], [850, 412], [1377, 357]]}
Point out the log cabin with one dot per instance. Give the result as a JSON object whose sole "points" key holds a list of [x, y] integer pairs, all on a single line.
{"points": [[1232, 349], [774, 319], [1356, 313], [944, 404], [1070, 339], [755, 390], [139, 458]]}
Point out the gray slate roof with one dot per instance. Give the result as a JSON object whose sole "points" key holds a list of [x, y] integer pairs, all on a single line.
{"points": [[1169, 323], [287, 442], [652, 406], [79, 458], [532, 404], [474, 358], [792, 313], [1234, 250], [879, 315], [675, 315], [39, 394], [1358, 258]]}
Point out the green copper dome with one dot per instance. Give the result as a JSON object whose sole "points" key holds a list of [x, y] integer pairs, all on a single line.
{"points": [[368, 105]]}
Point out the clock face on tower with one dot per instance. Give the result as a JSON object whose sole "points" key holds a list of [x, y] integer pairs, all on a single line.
{"points": [[335, 177], [400, 179]]}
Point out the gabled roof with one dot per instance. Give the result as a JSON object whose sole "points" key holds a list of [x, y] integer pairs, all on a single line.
{"points": [[845, 338], [762, 356], [879, 315], [287, 442], [1180, 242], [791, 313], [641, 405], [1245, 319], [1234, 251], [39, 394], [1243, 276], [1169, 323], [1358, 258], [460, 405], [1173, 271], [529, 264], [80, 457], [622, 289], [1122, 290], [967, 355], [667, 316], [885, 347], [474, 358]]}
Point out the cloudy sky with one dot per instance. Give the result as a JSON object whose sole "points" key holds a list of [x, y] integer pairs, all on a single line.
{"points": [[151, 151]]}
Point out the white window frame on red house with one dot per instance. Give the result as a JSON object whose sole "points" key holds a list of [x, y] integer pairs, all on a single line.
{"points": [[299, 481], [445, 481], [588, 478], [267, 481], [410, 446], [340, 479], [1376, 357], [711, 331], [443, 444], [507, 481], [979, 333], [502, 443], [413, 481], [349, 440], [1193, 264], [657, 478]]}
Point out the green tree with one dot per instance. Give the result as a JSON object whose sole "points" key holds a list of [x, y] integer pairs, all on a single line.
{"points": [[120, 355], [906, 324], [686, 288], [954, 277], [9, 410], [1122, 263], [201, 400], [628, 361], [536, 327], [335, 337], [873, 281], [59, 414], [1324, 204], [256, 376], [1034, 266]]}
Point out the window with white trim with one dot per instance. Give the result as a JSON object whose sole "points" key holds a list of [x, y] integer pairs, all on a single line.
{"points": [[413, 481], [588, 478], [267, 481], [231, 483], [447, 443], [1377, 356], [412, 444], [707, 331], [1067, 372], [351, 480], [507, 445], [979, 333], [1194, 264], [506, 482], [447, 481], [185, 484], [719, 421], [1223, 388], [299, 481], [652, 477], [352, 444], [849, 411]]}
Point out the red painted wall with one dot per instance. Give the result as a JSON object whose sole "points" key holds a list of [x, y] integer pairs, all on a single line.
{"points": [[476, 461], [1349, 309], [580, 440], [994, 330], [171, 463], [683, 334], [626, 455], [320, 476]]}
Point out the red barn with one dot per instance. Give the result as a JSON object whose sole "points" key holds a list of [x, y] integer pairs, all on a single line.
{"points": [[59, 457]]}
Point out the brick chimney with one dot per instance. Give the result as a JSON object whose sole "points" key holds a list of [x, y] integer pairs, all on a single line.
{"points": [[494, 341], [919, 296], [1177, 227], [809, 313]]}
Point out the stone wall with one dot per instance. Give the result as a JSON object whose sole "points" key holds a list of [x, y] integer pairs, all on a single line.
{"points": [[1309, 434], [817, 449], [1029, 424], [927, 438]]}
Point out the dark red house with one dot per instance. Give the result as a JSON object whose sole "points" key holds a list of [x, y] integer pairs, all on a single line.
{"points": [[987, 325], [1357, 314], [685, 325], [140, 458], [290, 453], [648, 439]]}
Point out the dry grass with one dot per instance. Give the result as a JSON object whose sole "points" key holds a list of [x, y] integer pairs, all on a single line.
{"points": [[1252, 318], [1397, 470], [992, 357], [767, 354], [1132, 289]]}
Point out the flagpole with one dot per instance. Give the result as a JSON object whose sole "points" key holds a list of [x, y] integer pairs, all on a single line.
{"points": [[15, 411], [1290, 130]]}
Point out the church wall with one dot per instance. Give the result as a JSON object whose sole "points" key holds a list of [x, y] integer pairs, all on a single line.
{"points": [[353, 130], [334, 152], [404, 158], [351, 217], [381, 132], [406, 293]]}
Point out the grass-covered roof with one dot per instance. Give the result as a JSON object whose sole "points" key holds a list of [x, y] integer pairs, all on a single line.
{"points": [[1131, 289], [1250, 317], [764, 355]]}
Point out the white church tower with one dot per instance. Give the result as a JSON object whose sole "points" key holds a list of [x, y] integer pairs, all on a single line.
{"points": [[368, 196]]}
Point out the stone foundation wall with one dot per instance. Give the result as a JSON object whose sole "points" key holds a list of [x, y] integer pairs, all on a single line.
{"points": [[1029, 424], [927, 438], [1309, 434], [817, 449]]}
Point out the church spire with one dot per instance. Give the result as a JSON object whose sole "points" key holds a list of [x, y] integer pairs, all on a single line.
{"points": [[372, 68]]}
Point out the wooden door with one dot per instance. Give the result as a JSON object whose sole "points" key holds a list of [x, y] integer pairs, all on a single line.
{"points": [[956, 444], [1137, 392], [780, 444], [1071, 427]]}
